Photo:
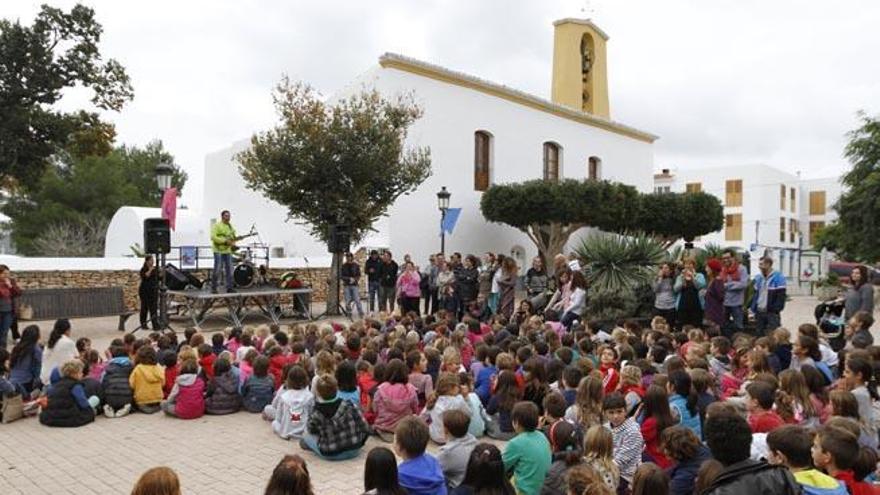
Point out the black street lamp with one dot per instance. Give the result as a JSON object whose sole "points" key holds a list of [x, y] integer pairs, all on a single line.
{"points": [[164, 173], [443, 203]]}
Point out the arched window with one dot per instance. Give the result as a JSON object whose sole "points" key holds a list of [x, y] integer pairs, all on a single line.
{"points": [[551, 161], [594, 168], [482, 160]]}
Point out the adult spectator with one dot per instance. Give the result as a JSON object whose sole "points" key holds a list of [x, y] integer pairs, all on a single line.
{"points": [[507, 287], [769, 300], [59, 349], [371, 268], [664, 295], [466, 283], [485, 281], [350, 273], [387, 282], [730, 440], [577, 302], [736, 279], [714, 298], [426, 279], [409, 289], [536, 284], [860, 294], [689, 300], [8, 292]]}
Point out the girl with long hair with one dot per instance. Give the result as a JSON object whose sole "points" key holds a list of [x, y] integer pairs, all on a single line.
{"points": [[567, 453], [599, 454], [380, 473], [587, 408], [818, 393], [485, 473], [657, 417], [683, 401], [26, 360], [290, 477], [59, 349], [793, 400], [506, 395]]}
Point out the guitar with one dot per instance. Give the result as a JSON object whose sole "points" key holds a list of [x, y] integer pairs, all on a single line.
{"points": [[231, 242]]}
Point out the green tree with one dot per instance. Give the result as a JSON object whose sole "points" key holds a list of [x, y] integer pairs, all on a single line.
{"points": [[674, 216], [857, 230], [549, 212], [83, 192], [37, 64], [336, 163]]}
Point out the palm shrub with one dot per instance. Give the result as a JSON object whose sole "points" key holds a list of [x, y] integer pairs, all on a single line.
{"points": [[617, 266]]}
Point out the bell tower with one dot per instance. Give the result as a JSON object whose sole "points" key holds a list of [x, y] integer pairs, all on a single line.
{"points": [[580, 69]]}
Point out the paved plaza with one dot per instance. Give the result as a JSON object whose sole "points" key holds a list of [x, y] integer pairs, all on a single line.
{"points": [[213, 455]]}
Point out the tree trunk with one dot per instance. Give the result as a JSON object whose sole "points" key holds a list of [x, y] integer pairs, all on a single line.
{"points": [[333, 287], [550, 239]]}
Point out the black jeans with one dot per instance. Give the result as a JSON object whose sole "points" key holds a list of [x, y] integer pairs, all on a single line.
{"points": [[149, 304]]}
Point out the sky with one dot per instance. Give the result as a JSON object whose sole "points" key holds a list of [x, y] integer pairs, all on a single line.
{"points": [[722, 82]]}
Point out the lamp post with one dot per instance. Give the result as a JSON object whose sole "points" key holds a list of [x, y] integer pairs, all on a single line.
{"points": [[443, 203], [164, 173]]}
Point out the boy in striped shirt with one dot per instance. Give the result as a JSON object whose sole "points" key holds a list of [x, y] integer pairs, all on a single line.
{"points": [[628, 441]]}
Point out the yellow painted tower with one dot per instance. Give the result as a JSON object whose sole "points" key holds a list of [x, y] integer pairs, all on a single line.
{"points": [[580, 68]]}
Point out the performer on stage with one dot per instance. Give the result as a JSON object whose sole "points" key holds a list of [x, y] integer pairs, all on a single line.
{"points": [[148, 291], [222, 241]]}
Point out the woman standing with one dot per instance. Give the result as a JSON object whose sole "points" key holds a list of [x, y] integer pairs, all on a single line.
{"points": [[714, 298], [8, 292], [860, 295], [59, 349], [664, 296], [689, 297], [507, 287], [445, 287], [148, 292], [408, 289], [466, 283]]}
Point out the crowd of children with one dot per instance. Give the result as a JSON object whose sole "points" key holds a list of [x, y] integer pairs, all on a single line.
{"points": [[588, 409]]}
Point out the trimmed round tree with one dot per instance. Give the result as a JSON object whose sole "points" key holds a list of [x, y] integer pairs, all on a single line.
{"points": [[673, 216], [550, 211]]}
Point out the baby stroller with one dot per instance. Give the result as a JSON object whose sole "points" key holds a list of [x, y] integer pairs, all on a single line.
{"points": [[829, 318]]}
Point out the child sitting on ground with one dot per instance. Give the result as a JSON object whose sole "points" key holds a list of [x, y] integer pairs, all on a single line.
{"points": [[500, 406], [172, 369], [221, 396], [762, 417], [67, 404], [835, 451], [419, 472], [259, 388], [599, 455], [206, 360], [446, 397], [527, 456], [627, 437], [289, 409], [791, 446], [147, 380], [477, 412], [336, 428], [115, 385], [454, 455], [187, 397], [394, 400], [418, 364], [346, 378]]}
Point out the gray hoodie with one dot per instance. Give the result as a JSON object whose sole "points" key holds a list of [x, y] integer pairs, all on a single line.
{"points": [[453, 458]]}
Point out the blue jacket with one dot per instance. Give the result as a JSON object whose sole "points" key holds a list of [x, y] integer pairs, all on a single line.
{"points": [[422, 475], [483, 383], [683, 474], [678, 405], [775, 292]]}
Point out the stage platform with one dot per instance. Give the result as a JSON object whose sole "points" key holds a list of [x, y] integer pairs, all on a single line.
{"points": [[202, 304]]}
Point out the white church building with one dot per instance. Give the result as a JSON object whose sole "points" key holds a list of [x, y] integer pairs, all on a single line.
{"points": [[480, 133]]}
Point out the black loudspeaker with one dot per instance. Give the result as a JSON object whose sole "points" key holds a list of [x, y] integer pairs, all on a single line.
{"points": [[157, 235], [174, 278], [340, 239]]}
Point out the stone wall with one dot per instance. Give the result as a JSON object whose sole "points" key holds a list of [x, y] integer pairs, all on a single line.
{"points": [[129, 280]]}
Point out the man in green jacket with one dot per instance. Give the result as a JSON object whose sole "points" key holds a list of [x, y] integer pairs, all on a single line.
{"points": [[222, 241]]}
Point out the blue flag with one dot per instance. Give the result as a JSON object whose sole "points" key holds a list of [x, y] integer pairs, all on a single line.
{"points": [[449, 220]]}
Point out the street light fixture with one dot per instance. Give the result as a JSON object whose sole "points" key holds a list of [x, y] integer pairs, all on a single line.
{"points": [[443, 204], [164, 173]]}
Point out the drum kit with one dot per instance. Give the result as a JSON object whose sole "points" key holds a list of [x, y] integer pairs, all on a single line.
{"points": [[246, 273]]}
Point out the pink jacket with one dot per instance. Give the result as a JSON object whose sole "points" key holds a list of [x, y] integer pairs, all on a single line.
{"points": [[392, 403], [188, 397], [408, 284]]}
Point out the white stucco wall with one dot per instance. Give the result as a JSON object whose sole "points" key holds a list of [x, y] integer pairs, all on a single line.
{"points": [[452, 115]]}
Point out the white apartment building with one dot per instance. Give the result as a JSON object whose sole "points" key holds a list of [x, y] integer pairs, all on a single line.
{"points": [[766, 210]]}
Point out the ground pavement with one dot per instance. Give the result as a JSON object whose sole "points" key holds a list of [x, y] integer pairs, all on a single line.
{"points": [[213, 455]]}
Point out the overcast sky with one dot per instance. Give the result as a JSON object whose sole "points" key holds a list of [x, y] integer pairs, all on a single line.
{"points": [[721, 82]]}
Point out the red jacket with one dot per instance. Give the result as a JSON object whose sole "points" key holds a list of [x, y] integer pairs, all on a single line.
{"points": [[9, 292], [366, 383], [765, 422], [855, 487], [207, 365], [276, 368], [171, 373], [610, 378], [652, 443]]}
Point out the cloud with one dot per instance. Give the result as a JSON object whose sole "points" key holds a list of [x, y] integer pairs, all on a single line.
{"points": [[725, 82]]}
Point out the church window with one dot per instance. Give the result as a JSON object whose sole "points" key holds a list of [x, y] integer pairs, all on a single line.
{"points": [[594, 168], [551, 161], [482, 160]]}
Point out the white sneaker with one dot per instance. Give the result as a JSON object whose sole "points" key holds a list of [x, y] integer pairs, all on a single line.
{"points": [[108, 411], [123, 411]]}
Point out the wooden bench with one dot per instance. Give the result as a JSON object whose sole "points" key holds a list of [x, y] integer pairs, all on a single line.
{"points": [[76, 302]]}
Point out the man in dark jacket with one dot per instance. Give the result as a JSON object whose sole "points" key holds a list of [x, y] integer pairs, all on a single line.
{"points": [[371, 268], [387, 282], [350, 272], [730, 440]]}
